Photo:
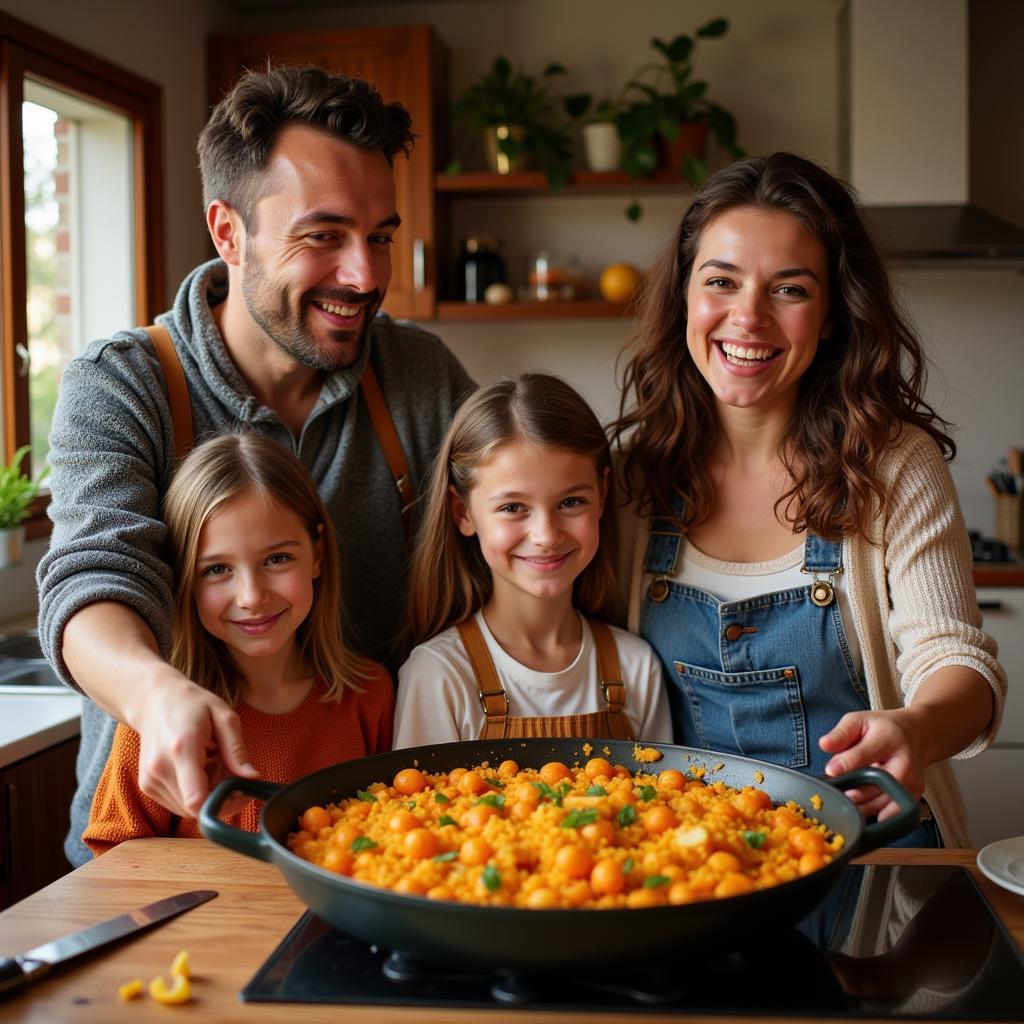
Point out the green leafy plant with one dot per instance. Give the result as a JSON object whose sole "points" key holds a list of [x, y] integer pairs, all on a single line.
{"points": [[505, 96], [659, 96], [17, 490]]}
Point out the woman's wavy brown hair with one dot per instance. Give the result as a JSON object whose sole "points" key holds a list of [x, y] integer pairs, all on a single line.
{"points": [[214, 473], [862, 386], [450, 579]]}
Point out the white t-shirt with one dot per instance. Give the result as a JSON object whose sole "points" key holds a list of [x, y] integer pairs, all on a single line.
{"points": [[438, 695], [738, 581]]}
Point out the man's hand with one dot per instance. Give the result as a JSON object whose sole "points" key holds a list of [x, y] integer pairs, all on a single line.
{"points": [[184, 729], [190, 739], [888, 739]]}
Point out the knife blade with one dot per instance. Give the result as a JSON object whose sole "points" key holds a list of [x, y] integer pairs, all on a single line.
{"points": [[34, 964]]}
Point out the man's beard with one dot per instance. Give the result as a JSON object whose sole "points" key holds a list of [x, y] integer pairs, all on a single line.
{"points": [[269, 307]]}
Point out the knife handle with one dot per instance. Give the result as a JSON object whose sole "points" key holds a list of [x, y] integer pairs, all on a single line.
{"points": [[12, 977]]}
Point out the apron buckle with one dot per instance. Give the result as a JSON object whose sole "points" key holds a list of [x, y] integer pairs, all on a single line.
{"points": [[658, 590]]}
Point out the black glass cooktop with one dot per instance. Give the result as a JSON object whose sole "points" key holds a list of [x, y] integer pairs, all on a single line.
{"points": [[900, 942]]}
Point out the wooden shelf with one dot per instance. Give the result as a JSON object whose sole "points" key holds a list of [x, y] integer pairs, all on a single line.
{"points": [[591, 309], [534, 183]]}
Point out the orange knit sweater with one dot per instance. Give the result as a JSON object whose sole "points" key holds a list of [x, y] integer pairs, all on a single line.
{"points": [[281, 747]]}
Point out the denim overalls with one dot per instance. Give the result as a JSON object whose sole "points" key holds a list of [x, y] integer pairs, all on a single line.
{"points": [[764, 677]]}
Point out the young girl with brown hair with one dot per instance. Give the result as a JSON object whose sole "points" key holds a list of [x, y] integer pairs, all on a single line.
{"points": [[802, 566], [258, 622], [512, 574]]}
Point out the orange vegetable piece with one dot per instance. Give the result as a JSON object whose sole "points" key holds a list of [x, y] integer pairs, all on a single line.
{"points": [[659, 819], [574, 860], [607, 878], [421, 843], [403, 821], [554, 772], [315, 819], [472, 783], [410, 781], [733, 884], [671, 779], [475, 850], [598, 766]]}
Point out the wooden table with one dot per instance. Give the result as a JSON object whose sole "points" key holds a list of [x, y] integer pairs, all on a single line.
{"points": [[231, 936]]}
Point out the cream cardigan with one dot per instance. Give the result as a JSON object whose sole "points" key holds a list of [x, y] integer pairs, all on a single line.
{"points": [[913, 600]]}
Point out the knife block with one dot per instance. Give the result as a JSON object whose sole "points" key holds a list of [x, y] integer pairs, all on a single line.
{"points": [[1010, 523]]}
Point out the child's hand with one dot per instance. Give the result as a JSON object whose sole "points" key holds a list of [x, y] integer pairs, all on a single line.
{"points": [[888, 739]]}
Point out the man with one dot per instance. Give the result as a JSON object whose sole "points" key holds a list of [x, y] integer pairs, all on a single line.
{"points": [[276, 334]]}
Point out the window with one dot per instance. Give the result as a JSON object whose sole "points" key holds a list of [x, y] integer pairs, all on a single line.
{"points": [[79, 147]]}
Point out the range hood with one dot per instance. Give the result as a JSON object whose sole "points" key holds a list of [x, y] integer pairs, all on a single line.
{"points": [[952, 234], [934, 158]]}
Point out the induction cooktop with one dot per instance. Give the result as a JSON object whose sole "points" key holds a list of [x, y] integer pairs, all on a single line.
{"points": [[889, 941]]}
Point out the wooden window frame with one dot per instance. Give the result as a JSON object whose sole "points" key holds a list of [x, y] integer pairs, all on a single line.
{"points": [[26, 51]]}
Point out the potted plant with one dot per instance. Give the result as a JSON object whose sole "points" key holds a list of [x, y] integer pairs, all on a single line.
{"points": [[666, 115], [520, 121], [16, 494], [602, 146]]}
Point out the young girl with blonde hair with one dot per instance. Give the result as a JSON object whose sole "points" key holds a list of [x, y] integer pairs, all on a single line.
{"points": [[258, 622], [512, 574]]}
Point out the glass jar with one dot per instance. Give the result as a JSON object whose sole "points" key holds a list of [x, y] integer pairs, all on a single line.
{"points": [[480, 265], [552, 279]]}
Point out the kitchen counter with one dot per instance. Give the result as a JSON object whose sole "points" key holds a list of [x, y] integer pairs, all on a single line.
{"points": [[32, 722], [230, 937]]}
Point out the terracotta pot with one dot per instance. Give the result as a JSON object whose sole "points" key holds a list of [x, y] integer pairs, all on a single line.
{"points": [[498, 161], [692, 138]]}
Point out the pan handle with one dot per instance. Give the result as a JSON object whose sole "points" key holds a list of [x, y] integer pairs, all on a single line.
{"points": [[880, 833], [252, 844]]}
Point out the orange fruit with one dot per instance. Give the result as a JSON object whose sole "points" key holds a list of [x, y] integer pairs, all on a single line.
{"points": [[619, 282]]}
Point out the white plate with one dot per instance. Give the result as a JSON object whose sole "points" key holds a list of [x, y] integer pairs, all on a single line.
{"points": [[1003, 862]]}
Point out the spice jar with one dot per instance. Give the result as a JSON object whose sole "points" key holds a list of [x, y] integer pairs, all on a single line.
{"points": [[479, 266]]}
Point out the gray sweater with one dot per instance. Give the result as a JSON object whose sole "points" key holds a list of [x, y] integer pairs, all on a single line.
{"points": [[111, 450]]}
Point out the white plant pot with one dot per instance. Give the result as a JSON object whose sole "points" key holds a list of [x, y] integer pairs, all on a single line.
{"points": [[12, 544], [602, 146]]}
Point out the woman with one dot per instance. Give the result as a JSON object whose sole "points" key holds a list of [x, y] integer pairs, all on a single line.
{"points": [[802, 566]]}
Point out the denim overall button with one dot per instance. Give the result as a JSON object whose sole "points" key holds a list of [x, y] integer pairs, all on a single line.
{"points": [[733, 632]]}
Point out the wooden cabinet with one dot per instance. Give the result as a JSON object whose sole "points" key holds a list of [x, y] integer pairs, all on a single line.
{"points": [[991, 783], [406, 65], [35, 798]]}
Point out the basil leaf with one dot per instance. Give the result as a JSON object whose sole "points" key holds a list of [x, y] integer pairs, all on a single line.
{"points": [[596, 790], [442, 858], [367, 798], [627, 865], [754, 839], [493, 800], [446, 819], [556, 796], [496, 783], [440, 798], [412, 804], [648, 793], [577, 819], [362, 843], [492, 880], [626, 816], [653, 881]]}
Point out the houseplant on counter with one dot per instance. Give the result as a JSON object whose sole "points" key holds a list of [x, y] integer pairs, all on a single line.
{"points": [[520, 120], [666, 115], [16, 493]]}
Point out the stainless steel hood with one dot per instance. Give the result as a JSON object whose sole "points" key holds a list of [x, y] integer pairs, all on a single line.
{"points": [[953, 234]]}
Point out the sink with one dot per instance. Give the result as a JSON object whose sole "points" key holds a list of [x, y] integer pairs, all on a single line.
{"points": [[23, 667]]}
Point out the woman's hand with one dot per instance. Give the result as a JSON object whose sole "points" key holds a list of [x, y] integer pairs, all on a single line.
{"points": [[888, 739]]}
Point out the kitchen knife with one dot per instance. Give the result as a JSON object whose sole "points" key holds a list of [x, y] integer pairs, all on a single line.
{"points": [[33, 965]]}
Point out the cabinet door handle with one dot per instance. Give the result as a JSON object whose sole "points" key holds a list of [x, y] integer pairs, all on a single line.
{"points": [[419, 264], [990, 606]]}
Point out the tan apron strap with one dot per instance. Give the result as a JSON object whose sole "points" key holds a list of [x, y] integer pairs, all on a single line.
{"points": [[177, 389], [612, 686], [391, 445], [493, 698]]}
